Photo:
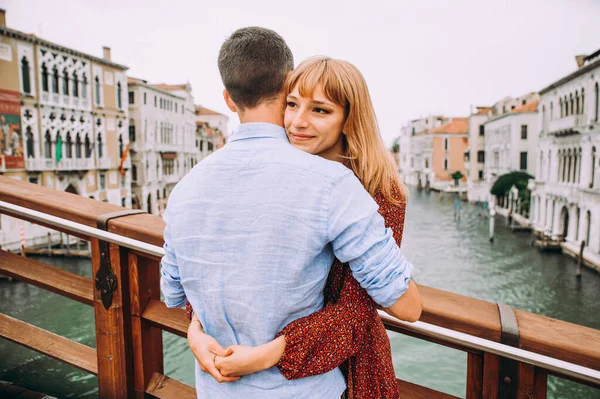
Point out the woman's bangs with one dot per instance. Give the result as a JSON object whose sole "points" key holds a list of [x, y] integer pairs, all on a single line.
{"points": [[307, 77]]}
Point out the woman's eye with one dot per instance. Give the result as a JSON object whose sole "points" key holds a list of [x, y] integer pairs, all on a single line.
{"points": [[321, 111], [291, 104]]}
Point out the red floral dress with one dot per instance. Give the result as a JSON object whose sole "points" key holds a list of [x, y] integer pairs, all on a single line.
{"points": [[347, 332]]}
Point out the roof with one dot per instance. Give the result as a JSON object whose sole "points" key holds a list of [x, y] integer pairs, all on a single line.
{"points": [[141, 82], [455, 126], [4, 31], [131, 81], [529, 107], [584, 69], [484, 110], [163, 86], [200, 110]]}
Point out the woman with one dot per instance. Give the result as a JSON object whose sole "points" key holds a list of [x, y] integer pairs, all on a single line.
{"points": [[329, 113]]}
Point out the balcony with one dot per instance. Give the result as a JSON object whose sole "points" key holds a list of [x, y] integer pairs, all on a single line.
{"points": [[75, 164], [571, 124], [65, 164], [40, 164], [104, 163]]}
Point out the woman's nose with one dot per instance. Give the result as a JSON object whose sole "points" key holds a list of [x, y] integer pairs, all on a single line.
{"points": [[300, 120]]}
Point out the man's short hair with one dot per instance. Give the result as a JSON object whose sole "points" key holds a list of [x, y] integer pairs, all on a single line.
{"points": [[254, 63]]}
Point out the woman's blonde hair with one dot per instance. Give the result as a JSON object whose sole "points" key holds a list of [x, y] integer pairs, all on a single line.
{"points": [[364, 150]]}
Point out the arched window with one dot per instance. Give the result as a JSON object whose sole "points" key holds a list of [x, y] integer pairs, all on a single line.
{"points": [[66, 83], [69, 146], [29, 142], [77, 146], [569, 166], [75, 85], [131, 131], [83, 86], [566, 106], [55, 80], [119, 92], [593, 167], [45, 78], [100, 146], [47, 145], [577, 109], [87, 146], [560, 104], [582, 109], [597, 102], [120, 145], [25, 76], [571, 104], [133, 173], [97, 80], [588, 226]]}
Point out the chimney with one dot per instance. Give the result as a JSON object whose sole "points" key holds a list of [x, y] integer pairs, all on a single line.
{"points": [[106, 53], [2, 18], [580, 59]]}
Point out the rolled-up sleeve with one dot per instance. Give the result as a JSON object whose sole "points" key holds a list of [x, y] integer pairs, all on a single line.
{"points": [[359, 237], [170, 282]]}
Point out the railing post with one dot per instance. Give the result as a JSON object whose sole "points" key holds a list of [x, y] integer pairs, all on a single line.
{"points": [[533, 382], [474, 376], [491, 373], [144, 285], [113, 329]]}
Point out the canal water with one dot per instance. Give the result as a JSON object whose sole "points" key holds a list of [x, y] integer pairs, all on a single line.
{"points": [[448, 253]]}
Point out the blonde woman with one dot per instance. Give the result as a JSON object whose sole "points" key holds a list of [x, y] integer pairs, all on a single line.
{"points": [[329, 113]]}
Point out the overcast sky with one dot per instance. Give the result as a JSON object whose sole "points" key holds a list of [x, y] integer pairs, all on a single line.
{"points": [[419, 57]]}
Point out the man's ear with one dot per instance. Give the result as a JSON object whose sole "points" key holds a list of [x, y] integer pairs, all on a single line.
{"points": [[230, 104]]}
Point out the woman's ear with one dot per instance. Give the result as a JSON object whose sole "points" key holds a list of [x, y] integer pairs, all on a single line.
{"points": [[230, 104]]}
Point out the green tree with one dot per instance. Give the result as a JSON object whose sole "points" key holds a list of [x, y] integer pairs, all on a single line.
{"points": [[456, 176]]}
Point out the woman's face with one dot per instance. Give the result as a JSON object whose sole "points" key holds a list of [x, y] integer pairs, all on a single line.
{"points": [[315, 124]]}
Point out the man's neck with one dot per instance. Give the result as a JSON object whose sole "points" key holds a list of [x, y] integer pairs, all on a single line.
{"points": [[271, 112]]}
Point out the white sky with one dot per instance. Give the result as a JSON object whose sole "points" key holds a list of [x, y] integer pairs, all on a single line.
{"points": [[418, 57]]}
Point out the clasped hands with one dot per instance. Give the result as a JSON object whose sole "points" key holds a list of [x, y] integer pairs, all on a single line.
{"points": [[229, 364]]}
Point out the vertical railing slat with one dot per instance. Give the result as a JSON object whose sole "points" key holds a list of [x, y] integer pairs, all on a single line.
{"points": [[491, 373], [144, 283], [474, 376], [113, 330]]}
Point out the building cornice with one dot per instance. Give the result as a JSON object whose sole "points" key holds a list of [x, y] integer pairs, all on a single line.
{"points": [[581, 71], [153, 88], [4, 31]]}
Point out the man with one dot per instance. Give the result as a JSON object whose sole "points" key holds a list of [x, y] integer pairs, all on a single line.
{"points": [[253, 229]]}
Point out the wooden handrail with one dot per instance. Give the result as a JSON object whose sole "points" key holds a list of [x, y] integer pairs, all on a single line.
{"points": [[128, 333], [461, 313]]}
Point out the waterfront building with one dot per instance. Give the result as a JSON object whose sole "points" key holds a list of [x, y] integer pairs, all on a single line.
{"points": [[211, 128], [63, 122], [477, 190], [439, 152], [413, 154], [162, 133], [566, 192], [510, 139]]}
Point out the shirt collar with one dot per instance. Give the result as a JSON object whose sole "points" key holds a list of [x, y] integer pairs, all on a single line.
{"points": [[256, 130]]}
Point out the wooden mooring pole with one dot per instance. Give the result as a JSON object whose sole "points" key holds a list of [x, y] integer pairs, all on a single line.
{"points": [[580, 259]]}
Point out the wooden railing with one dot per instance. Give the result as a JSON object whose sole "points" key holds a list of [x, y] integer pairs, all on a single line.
{"points": [[128, 358]]}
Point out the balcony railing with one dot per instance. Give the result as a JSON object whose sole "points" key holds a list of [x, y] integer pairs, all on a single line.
{"points": [[104, 163], [72, 164], [128, 358], [566, 125]]}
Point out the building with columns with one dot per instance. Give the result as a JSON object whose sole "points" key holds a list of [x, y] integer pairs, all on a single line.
{"points": [[566, 192], [63, 121]]}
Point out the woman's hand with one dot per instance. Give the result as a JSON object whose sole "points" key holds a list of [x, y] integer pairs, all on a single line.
{"points": [[245, 360], [205, 349]]}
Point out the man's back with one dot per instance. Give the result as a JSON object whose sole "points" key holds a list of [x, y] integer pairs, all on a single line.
{"points": [[248, 228]]}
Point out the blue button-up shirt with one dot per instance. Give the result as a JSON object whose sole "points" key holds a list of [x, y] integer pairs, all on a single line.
{"points": [[251, 234]]}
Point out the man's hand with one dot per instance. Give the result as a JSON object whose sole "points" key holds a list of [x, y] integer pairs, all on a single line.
{"points": [[206, 349]]}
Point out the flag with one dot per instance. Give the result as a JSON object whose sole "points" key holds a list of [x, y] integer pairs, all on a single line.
{"points": [[91, 150], [58, 148], [123, 158]]}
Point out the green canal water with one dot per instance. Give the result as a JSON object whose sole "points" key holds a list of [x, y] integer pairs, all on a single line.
{"points": [[453, 255]]}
